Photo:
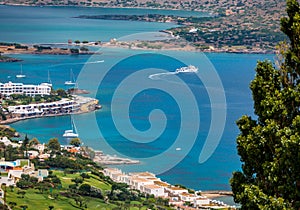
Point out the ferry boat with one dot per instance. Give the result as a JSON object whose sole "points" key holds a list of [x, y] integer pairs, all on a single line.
{"points": [[186, 69]]}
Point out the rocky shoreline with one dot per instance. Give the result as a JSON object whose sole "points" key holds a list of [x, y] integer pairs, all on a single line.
{"points": [[104, 159]]}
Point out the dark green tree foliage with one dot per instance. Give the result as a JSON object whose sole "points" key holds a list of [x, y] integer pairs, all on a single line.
{"points": [[75, 142], [54, 144], [269, 146]]}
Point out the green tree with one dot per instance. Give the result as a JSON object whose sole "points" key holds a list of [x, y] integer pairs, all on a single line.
{"points": [[25, 145], [33, 142], [75, 142], [77, 180], [53, 144], [85, 189], [269, 146], [62, 93], [12, 204]]}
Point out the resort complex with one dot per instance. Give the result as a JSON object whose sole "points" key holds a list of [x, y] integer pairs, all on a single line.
{"points": [[20, 88], [148, 183]]}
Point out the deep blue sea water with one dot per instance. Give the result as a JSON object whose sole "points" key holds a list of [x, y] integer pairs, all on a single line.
{"points": [[119, 78]]}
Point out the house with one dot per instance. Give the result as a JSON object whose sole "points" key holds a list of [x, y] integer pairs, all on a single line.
{"points": [[31, 154], [176, 190], [39, 147], [15, 175], [7, 181], [137, 183], [201, 201], [7, 142], [40, 174], [110, 171], [144, 175], [155, 190], [6, 165], [42, 157], [187, 197]]}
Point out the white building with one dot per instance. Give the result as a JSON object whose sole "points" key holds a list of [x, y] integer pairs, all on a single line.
{"points": [[201, 201], [19, 88], [7, 142], [137, 183], [176, 190], [64, 106], [155, 190], [188, 197]]}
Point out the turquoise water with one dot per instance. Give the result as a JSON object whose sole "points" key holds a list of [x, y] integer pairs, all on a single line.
{"points": [[235, 71], [57, 25], [103, 74]]}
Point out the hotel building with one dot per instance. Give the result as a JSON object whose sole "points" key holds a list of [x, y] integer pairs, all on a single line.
{"points": [[10, 88]]}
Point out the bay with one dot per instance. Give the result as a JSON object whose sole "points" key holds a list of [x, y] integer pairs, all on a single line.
{"points": [[57, 25], [235, 71], [103, 74]]}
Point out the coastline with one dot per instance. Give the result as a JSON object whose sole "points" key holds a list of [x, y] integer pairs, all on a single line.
{"points": [[172, 44]]}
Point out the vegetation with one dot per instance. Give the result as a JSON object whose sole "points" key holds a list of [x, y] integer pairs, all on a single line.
{"points": [[18, 99], [269, 146], [76, 142], [75, 182], [74, 51]]}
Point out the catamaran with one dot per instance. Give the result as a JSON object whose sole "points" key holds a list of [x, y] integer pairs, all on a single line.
{"points": [[71, 133]]}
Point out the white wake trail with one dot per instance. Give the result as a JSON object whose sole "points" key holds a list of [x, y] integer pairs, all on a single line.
{"points": [[158, 76]]}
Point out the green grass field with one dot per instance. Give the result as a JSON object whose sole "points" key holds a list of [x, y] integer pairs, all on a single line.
{"points": [[35, 200]]}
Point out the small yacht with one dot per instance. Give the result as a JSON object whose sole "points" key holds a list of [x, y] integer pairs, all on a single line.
{"points": [[21, 75], [72, 79], [185, 69]]}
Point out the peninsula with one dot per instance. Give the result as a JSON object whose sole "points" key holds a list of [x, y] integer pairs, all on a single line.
{"points": [[17, 104], [232, 26]]}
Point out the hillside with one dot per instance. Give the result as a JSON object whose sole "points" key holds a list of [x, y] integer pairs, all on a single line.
{"points": [[235, 26]]}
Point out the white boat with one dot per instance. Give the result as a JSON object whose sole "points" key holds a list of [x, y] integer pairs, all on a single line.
{"points": [[185, 69], [21, 75], [48, 83], [71, 133], [72, 80], [178, 149]]}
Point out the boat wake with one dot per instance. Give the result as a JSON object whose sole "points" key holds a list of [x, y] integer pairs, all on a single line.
{"points": [[101, 61], [185, 69], [82, 63], [160, 75]]}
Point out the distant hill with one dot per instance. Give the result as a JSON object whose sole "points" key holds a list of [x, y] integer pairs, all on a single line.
{"points": [[250, 24], [219, 6]]}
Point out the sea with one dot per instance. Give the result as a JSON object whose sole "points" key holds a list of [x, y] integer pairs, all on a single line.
{"points": [[181, 126]]}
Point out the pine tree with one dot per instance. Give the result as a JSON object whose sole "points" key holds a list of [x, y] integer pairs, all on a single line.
{"points": [[269, 146]]}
